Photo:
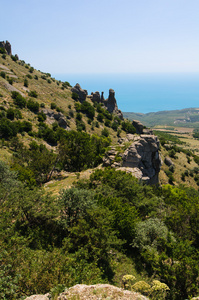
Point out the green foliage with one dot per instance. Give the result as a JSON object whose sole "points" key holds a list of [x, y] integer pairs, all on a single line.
{"points": [[128, 127], [33, 106], [75, 96], [8, 129], [3, 74], [14, 58], [66, 84], [31, 69], [25, 82], [105, 132], [74, 204], [19, 100], [10, 113], [53, 105], [79, 150], [41, 116], [33, 94], [2, 50], [88, 109]]}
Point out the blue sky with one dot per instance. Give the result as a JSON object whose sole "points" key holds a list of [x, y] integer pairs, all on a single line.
{"points": [[103, 36]]}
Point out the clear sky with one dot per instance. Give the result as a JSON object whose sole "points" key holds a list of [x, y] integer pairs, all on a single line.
{"points": [[103, 36]]}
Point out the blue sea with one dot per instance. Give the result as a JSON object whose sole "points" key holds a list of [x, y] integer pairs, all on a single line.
{"points": [[149, 92]]}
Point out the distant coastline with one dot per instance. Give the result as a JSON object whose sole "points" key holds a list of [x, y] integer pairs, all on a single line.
{"points": [[143, 92]]}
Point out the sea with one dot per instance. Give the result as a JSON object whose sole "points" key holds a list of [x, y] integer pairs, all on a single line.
{"points": [[143, 93]]}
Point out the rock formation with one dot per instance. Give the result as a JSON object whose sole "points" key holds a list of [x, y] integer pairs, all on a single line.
{"points": [[94, 292], [58, 116], [110, 103], [80, 92], [7, 46], [141, 157]]}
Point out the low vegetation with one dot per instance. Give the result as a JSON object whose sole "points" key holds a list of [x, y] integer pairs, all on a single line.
{"points": [[105, 228]]}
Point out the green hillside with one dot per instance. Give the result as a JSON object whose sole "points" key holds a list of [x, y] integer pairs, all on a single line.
{"points": [[188, 117], [65, 219]]}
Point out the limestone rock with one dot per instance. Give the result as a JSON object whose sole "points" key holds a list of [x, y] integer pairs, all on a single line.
{"points": [[7, 46], [138, 126], [40, 297], [58, 116], [168, 161], [80, 92], [83, 291], [96, 97], [141, 158], [111, 103]]}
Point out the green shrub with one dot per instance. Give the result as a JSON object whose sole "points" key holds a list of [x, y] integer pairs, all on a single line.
{"points": [[79, 116], [105, 132], [2, 50], [14, 58], [31, 69], [10, 113], [41, 116], [75, 96], [25, 82], [53, 105], [10, 81], [33, 106], [100, 117], [33, 94], [18, 99], [36, 77], [3, 74]]}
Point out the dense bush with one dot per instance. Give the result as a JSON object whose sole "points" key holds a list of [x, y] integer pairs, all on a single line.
{"points": [[33, 94], [33, 106], [19, 100], [128, 127]]}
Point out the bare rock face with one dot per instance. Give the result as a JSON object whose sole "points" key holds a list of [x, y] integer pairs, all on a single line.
{"points": [[141, 158], [80, 92], [96, 97], [7, 46], [58, 116], [143, 154], [111, 102]]}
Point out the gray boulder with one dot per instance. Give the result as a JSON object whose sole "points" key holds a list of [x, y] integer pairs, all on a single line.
{"points": [[141, 158], [168, 161], [138, 126], [80, 92]]}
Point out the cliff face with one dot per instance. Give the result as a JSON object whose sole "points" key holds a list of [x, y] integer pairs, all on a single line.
{"points": [[141, 157]]}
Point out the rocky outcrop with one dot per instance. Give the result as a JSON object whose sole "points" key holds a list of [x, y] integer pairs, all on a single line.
{"points": [[7, 46], [40, 297], [80, 92], [58, 116], [110, 103], [168, 161], [94, 292], [141, 157]]}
